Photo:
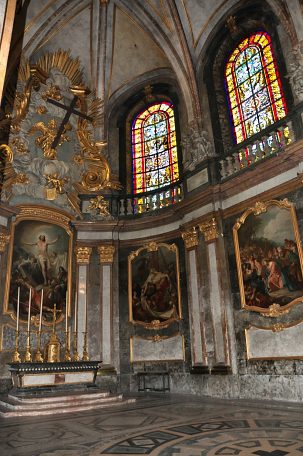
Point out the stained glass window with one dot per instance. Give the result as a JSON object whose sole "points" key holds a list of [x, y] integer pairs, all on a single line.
{"points": [[154, 148], [253, 87]]}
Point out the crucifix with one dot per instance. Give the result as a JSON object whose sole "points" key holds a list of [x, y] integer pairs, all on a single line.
{"points": [[69, 111]]}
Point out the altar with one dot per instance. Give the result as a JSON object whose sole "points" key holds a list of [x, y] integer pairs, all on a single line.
{"points": [[58, 374]]}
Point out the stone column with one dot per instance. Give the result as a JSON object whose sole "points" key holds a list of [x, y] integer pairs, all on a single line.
{"points": [[106, 258], [83, 257], [197, 335], [217, 307]]}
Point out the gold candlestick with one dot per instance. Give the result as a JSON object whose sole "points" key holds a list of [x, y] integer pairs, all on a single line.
{"points": [[38, 358], [16, 358], [67, 356], [85, 356], [75, 349], [28, 355]]}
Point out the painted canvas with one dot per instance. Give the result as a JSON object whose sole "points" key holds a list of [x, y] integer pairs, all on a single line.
{"points": [[269, 257], [154, 288], [39, 261]]}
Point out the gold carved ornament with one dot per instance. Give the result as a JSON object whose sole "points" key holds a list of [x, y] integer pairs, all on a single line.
{"points": [[100, 205], [275, 310], [210, 230], [55, 185], [47, 136], [190, 238], [4, 240], [10, 177], [97, 175], [106, 253], [83, 254]]}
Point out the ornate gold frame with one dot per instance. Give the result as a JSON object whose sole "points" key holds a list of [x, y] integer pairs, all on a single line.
{"points": [[260, 207], [153, 247], [40, 214]]}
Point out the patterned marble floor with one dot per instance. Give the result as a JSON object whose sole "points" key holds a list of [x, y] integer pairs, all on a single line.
{"points": [[162, 424]]}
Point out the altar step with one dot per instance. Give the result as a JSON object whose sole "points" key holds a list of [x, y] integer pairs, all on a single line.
{"points": [[14, 405]]}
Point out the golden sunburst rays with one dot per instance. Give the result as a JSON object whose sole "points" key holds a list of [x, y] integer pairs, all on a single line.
{"points": [[63, 61]]}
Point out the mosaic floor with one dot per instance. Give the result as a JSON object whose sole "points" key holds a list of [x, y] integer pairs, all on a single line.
{"points": [[162, 424]]}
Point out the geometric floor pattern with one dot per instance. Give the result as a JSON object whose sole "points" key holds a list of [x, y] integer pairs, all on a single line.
{"points": [[162, 425]]}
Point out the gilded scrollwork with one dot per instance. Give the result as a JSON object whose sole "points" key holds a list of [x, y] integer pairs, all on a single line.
{"points": [[275, 310], [47, 136], [99, 205]]}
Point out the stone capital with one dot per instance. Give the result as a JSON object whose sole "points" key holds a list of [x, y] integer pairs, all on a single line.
{"points": [[4, 239], [210, 230], [190, 238], [83, 254], [106, 253]]}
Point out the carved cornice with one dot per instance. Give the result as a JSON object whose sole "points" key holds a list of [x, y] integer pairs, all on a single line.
{"points": [[106, 253], [4, 239], [190, 238], [210, 230], [83, 254]]}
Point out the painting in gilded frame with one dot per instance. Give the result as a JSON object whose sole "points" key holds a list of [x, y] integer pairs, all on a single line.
{"points": [[154, 285], [39, 259], [269, 257]]}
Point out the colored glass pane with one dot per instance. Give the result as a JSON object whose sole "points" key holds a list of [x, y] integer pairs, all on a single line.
{"points": [[253, 87], [154, 149]]}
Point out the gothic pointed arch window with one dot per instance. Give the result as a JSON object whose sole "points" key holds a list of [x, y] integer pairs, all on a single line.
{"points": [[253, 87], [154, 154]]}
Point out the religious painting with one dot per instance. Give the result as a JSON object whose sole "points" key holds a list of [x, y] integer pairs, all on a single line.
{"points": [[39, 265], [269, 258], [154, 285]]}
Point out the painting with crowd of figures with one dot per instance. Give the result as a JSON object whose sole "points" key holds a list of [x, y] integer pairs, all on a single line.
{"points": [[39, 261], [269, 257], [154, 285]]}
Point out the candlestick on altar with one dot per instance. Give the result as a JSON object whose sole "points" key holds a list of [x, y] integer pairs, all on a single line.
{"points": [[38, 358], [76, 312], [29, 311], [28, 355], [18, 309], [67, 355], [85, 356], [16, 358], [41, 307], [76, 357]]}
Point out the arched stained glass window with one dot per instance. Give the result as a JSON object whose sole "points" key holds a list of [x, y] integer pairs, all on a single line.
{"points": [[253, 87], [154, 148]]}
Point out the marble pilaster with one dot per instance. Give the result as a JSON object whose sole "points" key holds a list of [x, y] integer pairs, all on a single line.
{"points": [[197, 336], [83, 258], [106, 258], [218, 312]]}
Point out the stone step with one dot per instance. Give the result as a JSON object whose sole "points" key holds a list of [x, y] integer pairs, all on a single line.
{"points": [[11, 404], [58, 398], [7, 412]]}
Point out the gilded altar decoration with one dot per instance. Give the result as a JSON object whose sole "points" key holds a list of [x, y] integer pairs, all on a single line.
{"points": [[210, 230], [190, 238], [4, 240], [19, 146], [83, 254], [97, 175], [55, 185], [106, 253], [269, 258], [39, 263], [52, 92], [154, 285], [99, 205], [47, 136]]}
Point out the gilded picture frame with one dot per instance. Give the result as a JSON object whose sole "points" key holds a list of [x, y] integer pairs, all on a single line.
{"points": [[269, 258], [39, 258], [154, 285]]}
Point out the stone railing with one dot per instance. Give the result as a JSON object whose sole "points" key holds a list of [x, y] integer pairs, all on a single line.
{"points": [[147, 202], [258, 148]]}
